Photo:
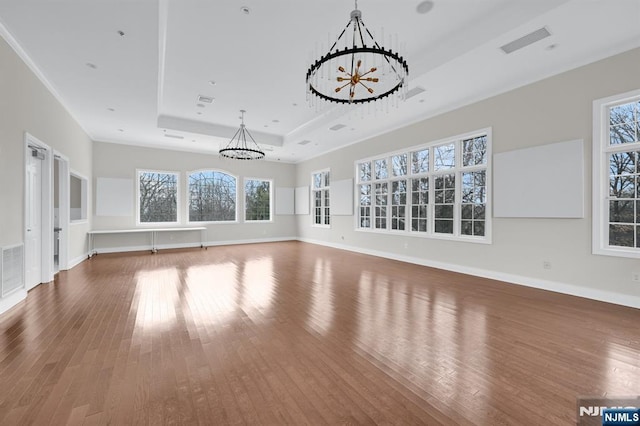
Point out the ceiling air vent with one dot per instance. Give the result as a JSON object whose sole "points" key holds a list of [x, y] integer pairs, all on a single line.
{"points": [[205, 99], [167, 135], [526, 40], [337, 127], [304, 142], [415, 91]]}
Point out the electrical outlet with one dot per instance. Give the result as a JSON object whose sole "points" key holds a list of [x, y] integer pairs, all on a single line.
{"points": [[406, 245], [546, 264], [635, 276]]}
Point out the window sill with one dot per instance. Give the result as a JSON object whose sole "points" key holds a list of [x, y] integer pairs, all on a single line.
{"points": [[617, 252], [461, 239]]}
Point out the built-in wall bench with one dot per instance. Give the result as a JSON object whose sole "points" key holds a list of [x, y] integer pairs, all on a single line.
{"points": [[152, 231]]}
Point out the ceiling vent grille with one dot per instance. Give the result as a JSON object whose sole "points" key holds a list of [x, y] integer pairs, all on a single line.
{"points": [[304, 142], [205, 99], [167, 135], [337, 127], [415, 91], [526, 40]]}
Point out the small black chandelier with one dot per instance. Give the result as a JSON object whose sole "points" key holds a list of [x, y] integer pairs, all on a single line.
{"points": [[356, 69], [241, 148]]}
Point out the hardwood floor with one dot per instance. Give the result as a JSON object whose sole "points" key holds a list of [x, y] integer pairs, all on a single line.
{"points": [[293, 333]]}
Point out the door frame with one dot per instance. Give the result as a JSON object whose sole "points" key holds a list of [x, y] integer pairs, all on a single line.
{"points": [[46, 233], [63, 210]]}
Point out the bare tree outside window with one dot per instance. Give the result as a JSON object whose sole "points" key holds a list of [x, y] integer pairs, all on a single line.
{"points": [[257, 202], [624, 176], [212, 197], [158, 200]]}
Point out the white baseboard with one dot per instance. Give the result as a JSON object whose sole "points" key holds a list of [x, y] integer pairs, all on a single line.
{"points": [[192, 245], [557, 287], [12, 299], [78, 260]]}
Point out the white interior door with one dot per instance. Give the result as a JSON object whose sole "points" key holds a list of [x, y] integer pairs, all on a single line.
{"points": [[33, 222]]}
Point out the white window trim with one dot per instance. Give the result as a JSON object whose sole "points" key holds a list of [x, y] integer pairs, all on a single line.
{"points": [[187, 198], [84, 197], [601, 148], [178, 199], [312, 200], [487, 239], [244, 199]]}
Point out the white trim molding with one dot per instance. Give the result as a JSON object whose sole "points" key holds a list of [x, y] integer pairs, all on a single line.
{"points": [[554, 286]]}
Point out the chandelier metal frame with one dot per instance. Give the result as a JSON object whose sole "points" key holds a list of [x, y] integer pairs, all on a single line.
{"points": [[241, 148], [356, 77]]}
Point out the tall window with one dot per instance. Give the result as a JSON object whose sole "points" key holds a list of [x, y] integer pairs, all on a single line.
{"points": [[212, 196], [320, 196], [437, 190], [157, 197], [257, 200], [616, 175]]}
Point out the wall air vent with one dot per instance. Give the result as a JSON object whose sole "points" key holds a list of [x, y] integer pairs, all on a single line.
{"points": [[415, 91], [337, 127], [11, 269], [205, 99], [526, 40]]}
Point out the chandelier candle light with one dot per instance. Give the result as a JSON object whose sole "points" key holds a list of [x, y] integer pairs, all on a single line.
{"points": [[241, 148], [356, 69]]}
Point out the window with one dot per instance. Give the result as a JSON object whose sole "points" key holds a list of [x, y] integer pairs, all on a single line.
{"points": [[212, 196], [157, 197], [77, 198], [320, 196], [257, 200], [436, 190], [616, 174]]}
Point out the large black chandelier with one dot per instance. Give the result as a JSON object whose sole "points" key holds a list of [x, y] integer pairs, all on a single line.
{"points": [[241, 148], [356, 69]]}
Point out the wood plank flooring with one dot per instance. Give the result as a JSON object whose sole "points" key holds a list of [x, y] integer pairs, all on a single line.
{"points": [[293, 333]]}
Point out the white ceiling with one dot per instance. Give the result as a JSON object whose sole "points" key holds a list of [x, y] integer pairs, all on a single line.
{"points": [[145, 84]]}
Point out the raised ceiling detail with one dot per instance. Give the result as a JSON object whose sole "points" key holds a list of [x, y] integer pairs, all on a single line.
{"points": [[174, 49]]}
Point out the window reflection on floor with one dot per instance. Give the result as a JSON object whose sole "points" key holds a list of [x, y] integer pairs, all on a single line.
{"points": [[322, 301]]}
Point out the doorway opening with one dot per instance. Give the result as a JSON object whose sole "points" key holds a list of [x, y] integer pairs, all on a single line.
{"points": [[38, 221]]}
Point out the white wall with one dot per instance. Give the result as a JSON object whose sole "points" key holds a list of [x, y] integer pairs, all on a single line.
{"points": [[121, 161], [26, 105], [553, 110]]}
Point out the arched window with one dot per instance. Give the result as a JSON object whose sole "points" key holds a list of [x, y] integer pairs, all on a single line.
{"points": [[212, 196]]}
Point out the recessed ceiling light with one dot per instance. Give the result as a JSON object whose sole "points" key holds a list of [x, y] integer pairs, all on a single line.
{"points": [[91, 65], [551, 46], [121, 130], [199, 112], [121, 33], [245, 10], [266, 125], [294, 104], [211, 82], [424, 7], [421, 101], [110, 109], [275, 121]]}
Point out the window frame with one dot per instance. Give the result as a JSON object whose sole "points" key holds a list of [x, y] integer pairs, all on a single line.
{"points": [[84, 197], [178, 220], [244, 193], [458, 170], [600, 173], [323, 206], [188, 199]]}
